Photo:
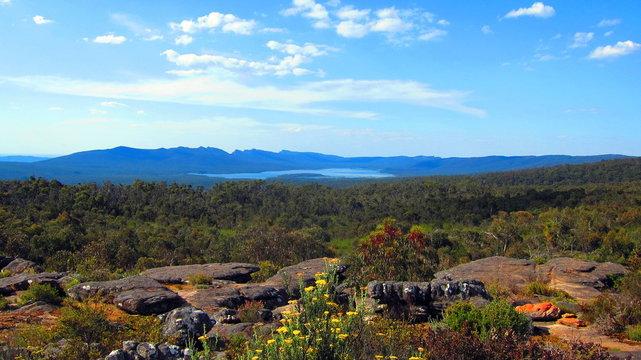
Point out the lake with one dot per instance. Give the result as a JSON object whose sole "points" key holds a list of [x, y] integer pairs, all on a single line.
{"points": [[333, 173]]}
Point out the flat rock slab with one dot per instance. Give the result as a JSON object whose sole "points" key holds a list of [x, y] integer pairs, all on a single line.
{"points": [[582, 279], [213, 299], [135, 295], [11, 284], [18, 266], [237, 272]]}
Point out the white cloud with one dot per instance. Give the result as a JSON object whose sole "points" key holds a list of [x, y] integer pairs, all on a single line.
{"points": [[216, 21], [581, 39], [609, 22], [350, 13], [40, 20], [542, 58], [112, 104], [153, 38], [538, 9], [140, 112], [609, 33], [312, 10], [432, 34], [55, 108], [304, 98], [272, 30], [5, 2], [110, 39], [612, 51], [190, 72], [97, 112], [486, 29], [308, 49], [183, 40], [351, 29], [443, 22], [390, 21]]}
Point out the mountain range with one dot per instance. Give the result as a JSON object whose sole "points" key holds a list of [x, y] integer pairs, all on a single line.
{"points": [[182, 164]]}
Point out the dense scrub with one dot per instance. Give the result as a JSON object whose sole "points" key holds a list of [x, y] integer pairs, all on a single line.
{"points": [[123, 228]]}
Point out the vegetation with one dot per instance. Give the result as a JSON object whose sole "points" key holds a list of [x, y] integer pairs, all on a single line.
{"points": [[41, 292], [497, 319]]}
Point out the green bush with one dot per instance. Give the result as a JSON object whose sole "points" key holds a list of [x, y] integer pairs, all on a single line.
{"points": [[86, 322], [199, 279], [41, 292], [498, 318], [267, 270], [634, 332], [4, 304], [4, 274]]}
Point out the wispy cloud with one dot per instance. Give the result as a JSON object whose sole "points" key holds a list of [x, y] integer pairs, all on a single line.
{"points": [[304, 98], [112, 104], [40, 20], [609, 22], [55, 108], [581, 39], [538, 9], [621, 48], [486, 29], [183, 40]]}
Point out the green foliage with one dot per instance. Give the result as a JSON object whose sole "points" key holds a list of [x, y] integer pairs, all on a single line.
{"points": [[86, 322], [496, 319], [4, 304], [633, 332], [539, 288], [4, 274], [267, 270], [41, 292], [199, 279], [248, 311]]}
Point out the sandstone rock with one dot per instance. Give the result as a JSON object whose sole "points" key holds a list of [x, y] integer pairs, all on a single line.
{"points": [[185, 323], [168, 352], [545, 311], [582, 279], [507, 271], [225, 332], [147, 351], [118, 355], [288, 278], [237, 272], [37, 307], [136, 295], [212, 300], [422, 299], [573, 322], [18, 266], [11, 284], [226, 316], [268, 295]]}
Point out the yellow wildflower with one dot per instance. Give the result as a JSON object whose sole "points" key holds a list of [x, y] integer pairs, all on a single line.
{"points": [[270, 341], [292, 302], [203, 338], [296, 332], [420, 349], [343, 336], [309, 289], [351, 313], [321, 282], [282, 330]]}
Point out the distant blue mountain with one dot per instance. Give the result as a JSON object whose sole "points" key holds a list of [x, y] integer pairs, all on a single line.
{"points": [[22, 158], [124, 164]]}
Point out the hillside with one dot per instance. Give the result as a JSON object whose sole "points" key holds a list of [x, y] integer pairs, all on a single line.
{"points": [[124, 165]]}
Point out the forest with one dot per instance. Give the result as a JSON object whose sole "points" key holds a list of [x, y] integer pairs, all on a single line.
{"points": [[584, 211]]}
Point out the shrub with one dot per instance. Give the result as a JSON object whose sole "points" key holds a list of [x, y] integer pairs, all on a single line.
{"points": [[248, 312], [199, 279], [267, 270], [4, 274], [498, 318], [85, 321], [4, 304], [634, 332], [41, 292]]}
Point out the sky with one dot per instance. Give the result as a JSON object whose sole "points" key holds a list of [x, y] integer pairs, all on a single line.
{"points": [[379, 77]]}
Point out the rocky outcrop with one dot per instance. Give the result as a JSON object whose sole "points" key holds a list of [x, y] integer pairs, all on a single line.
{"points": [[545, 311], [135, 295], [423, 300], [237, 272], [11, 284], [582, 279], [185, 323], [19, 266]]}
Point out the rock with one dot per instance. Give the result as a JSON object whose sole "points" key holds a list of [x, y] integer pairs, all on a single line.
{"points": [[423, 300], [513, 273], [573, 322], [19, 282], [568, 306], [147, 351], [237, 272], [18, 266], [118, 355], [37, 307], [168, 352], [582, 279], [568, 316], [225, 332], [185, 323], [226, 316], [287, 278], [136, 295], [212, 300], [269, 296], [545, 311]]}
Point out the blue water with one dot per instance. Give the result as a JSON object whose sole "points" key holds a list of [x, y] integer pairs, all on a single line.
{"points": [[333, 173]]}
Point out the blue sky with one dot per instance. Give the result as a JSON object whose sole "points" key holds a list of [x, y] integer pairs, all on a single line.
{"points": [[444, 78]]}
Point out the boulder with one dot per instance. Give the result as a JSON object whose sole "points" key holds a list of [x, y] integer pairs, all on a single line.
{"points": [[119, 355], [268, 295], [422, 299], [572, 322], [514, 273], [11, 284], [237, 272], [582, 279], [227, 331], [18, 266], [288, 277], [185, 323], [545, 311], [135, 295], [212, 300]]}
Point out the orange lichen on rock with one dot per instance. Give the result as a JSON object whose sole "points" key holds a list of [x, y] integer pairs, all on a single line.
{"points": [[573, 322], [541, 311]]}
